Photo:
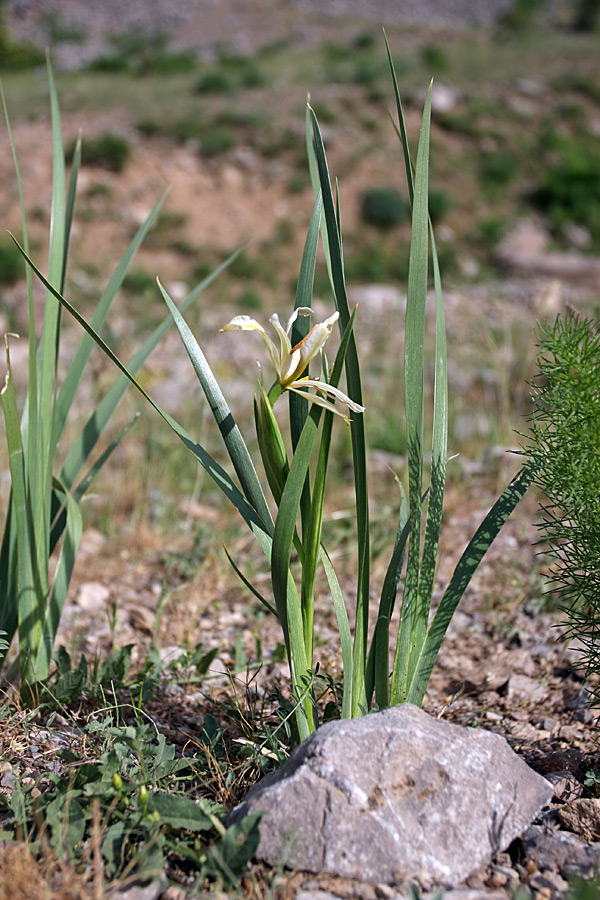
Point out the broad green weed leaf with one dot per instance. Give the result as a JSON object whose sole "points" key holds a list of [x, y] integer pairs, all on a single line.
{"points": [[180, 812]]}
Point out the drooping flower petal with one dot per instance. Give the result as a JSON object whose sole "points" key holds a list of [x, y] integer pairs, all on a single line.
{"points": [[299, 311], [246, 323], [320, 401], [331, 391], [290, 362]]}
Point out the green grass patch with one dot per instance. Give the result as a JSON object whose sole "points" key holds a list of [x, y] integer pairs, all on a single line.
{"points": [[107, 150], [384, 207]]}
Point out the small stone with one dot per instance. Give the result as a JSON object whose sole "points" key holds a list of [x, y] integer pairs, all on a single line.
{"points": [[92, 596], [498, 877], [559, 851], [521, 687], [142, 619], [566, 786], [548, 884], [150, 891], [581, 817], [577, 235], [384, 892], [173, 893], [443, 98], [315, 895], [502, 875], [572, 734]]}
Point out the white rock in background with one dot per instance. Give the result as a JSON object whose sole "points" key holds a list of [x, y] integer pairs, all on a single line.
{"points": [[92, 596]]}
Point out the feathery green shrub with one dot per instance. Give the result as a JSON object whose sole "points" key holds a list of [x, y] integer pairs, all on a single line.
{"points": [[565, 437]]}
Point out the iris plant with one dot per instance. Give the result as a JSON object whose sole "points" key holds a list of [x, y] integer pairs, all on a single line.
{"points": [[288, 527], [290, 363]]}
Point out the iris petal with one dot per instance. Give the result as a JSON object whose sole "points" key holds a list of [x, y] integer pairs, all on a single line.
{"points": [[289, 362]]}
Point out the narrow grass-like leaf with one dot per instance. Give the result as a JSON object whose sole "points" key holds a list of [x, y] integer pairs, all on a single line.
{"points": [[341, 615], [402, 133], [40, 457], [60, 586], [377, 676], [48, 346], [59, 512], [271, 444], [212, 467], [465, 568], [9, 573], [95, 425], [82, 354], [70, 209], [357, 426], [311, 538], [414, 619], [32, 407], [249, 584], [439, 454], [26, 600], [301, 327], [232, 437], [290, 614], [29, 429]]}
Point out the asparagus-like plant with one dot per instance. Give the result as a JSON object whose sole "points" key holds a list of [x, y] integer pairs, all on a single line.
{"points": [[565, 437]]}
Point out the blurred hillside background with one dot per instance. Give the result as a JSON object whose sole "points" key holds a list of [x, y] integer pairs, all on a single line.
{"points": [[207, 97]]}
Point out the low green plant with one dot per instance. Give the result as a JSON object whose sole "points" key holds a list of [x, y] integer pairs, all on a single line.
{"points": [[139, 282], [297, 480], [107, 150], [568, 189], [565, 436], [586, 15], [384, 207], [434, 58], [520, 16], [15, 55], [250, 300], [440, 204], [11, 262], [214, 81], [497, 169], [217, 140], [143, 54], [43, 520], [583, 888], [59, 31], [170, 63], [128, 794]]}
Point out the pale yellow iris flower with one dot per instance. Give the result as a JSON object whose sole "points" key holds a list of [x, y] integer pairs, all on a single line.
{"points": [[290, 362]]}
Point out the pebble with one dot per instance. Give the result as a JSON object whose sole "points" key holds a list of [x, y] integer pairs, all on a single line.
{"points": [[566, 786], [549, 884]]}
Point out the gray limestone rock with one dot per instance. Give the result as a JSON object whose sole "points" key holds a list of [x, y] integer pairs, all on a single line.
{"points": [[395, 796]]}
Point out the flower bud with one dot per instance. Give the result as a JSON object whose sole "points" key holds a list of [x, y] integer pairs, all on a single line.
{"points": [[270, 442]]}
